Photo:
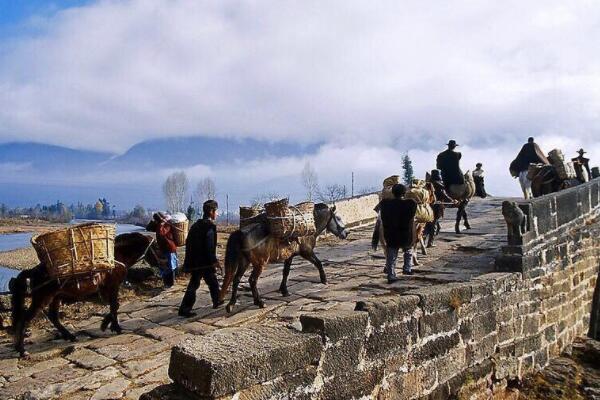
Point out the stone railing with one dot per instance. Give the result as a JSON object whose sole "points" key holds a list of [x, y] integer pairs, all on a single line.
{"points": [[432, 342], [358, 210]]}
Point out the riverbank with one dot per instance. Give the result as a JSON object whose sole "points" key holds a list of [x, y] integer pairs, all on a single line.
{"points": [[18, 225], [19, 259]]}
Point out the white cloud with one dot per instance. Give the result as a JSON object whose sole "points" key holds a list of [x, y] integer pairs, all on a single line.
{"points": [[112, 74]]}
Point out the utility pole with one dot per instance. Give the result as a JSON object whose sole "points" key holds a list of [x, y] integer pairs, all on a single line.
{"points": [[352, 184], [227, 208]]}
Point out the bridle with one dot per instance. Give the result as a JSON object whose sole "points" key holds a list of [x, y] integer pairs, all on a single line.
{"points": [[338, 227]]}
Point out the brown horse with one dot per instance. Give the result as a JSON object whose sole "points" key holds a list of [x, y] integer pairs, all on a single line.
{"points": [[462, 193], [129, 249], [254, 245]]}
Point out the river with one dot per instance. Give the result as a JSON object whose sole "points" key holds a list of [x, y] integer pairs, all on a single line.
{"points": [[15, 241]]}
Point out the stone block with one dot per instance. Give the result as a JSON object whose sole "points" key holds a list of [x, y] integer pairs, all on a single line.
{"points": [[389, 309], [335, 325], [443, 297], [435, 347], [231, 359], [567, 206], [440, 322], [483, 325]]}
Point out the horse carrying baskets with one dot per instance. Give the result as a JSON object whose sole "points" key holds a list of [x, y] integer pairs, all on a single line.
{"points": [[250, 215], [80, 249], [290, 221]]}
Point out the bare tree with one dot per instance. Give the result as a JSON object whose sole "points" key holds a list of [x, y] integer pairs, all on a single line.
{"points": [[261, 199], [206, 190], [175, 190], [310, 181], [333, 193]]}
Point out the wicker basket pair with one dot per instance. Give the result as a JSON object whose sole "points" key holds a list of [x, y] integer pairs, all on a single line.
{"points": [[180, 232], [564, 169], [77, 250], [251, 215], [288, 222]]}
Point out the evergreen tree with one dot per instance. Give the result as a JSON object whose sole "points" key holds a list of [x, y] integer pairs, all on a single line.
{"points": [[407, 167]]}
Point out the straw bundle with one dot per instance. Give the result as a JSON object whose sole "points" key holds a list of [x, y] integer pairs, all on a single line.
{"points": [[76, 250], [290, 221]]}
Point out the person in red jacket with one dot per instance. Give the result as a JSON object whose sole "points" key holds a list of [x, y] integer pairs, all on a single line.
{"points": [[167, 246]]}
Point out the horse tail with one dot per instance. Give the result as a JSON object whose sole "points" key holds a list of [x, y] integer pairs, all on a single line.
{"points": [[18, 290], [233, 258]]}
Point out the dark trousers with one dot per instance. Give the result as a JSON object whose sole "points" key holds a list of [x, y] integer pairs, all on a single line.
{"points": [[210, 277]]}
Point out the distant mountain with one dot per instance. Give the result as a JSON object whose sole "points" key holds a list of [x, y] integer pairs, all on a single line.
{"points": [[44, 156], [184, 152]]}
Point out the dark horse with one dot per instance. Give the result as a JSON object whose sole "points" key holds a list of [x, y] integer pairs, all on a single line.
{"points": [[462, 193], [253, 245], [129, 249]]}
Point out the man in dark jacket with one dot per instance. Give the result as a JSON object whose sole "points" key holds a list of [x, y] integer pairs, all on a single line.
{"points": [[201, 259], [530, 154], [398, 220], [581, 163], [448, 161]]}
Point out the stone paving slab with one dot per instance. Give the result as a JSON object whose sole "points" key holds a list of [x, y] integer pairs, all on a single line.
{"points": [[106, 366]]}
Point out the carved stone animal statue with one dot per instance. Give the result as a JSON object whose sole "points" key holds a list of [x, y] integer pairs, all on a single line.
{"points": [[516, 221], [253, 245], [129, 249]]}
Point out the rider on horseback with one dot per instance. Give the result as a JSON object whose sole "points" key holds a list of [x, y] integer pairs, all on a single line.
{"points": [[448, 161], [530, 154]]}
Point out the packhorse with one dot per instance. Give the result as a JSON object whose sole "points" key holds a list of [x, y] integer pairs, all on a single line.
{"points": [[462, 193], [253, 245], [130, 248]]}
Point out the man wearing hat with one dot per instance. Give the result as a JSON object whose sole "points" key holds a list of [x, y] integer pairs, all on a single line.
{"points": [[478, 179], [582, 166], [201, 259], [448, 162]]}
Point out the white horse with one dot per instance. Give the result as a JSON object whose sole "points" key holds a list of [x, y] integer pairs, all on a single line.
{"points": [[525, 184]]}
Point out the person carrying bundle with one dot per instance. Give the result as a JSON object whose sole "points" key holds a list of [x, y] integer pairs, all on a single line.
{"points": [[201, 259], [398, 220], [168, 248]]}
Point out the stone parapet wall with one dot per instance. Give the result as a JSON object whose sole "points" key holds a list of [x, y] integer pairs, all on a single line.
{"points": [[358, 210], [427, 343]]}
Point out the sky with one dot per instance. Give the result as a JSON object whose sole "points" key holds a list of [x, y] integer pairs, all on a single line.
{"points": [[349, 86]]}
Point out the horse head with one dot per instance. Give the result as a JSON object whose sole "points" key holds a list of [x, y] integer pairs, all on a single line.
{"points": [[131, 248], [334, 223]]}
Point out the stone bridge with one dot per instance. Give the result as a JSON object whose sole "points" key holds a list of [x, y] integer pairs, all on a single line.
{"points": [[478, 313]]}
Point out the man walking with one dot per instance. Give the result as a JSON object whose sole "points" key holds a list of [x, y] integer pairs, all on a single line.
{"points": [[398, 220], [201, 259]]}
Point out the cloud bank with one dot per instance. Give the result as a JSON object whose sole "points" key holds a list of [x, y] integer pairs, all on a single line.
{"points": [[112, 74]]}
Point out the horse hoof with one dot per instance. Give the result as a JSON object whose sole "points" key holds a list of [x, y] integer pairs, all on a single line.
{"points": [[229, 308], [116, 329], [260, 304], [285, 293], [324, 281], [24, 355]]}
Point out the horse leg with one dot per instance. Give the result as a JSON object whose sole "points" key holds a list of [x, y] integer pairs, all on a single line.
{"points": [[459, 217], [37, 303], [287, 266], [312, 258], [256, 271], [53, 316], [236, 283], [466, 218], [112, 295], [414, 256]]}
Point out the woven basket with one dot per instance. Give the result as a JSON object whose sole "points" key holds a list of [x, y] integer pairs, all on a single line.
{"points": [[180, 232], [556, 156], [250, 215], [565, 170], [290, 221], [391, 181], [76, 250]]}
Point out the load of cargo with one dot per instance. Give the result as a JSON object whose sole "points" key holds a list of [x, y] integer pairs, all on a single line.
{"points": [[388, 183], [564, 169], [419, 193], [181, 226], [77, 250], [289, 222], [251, 215]]}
